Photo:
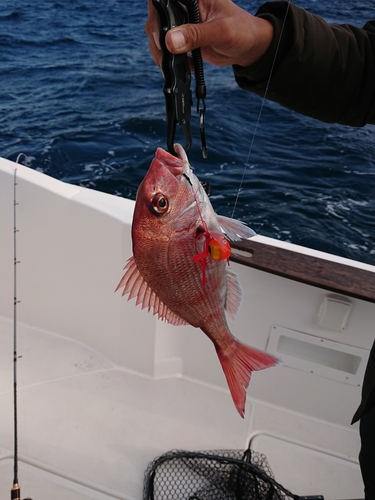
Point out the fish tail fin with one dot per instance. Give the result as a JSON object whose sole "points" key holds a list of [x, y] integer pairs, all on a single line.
{"points": [[238, 362]]}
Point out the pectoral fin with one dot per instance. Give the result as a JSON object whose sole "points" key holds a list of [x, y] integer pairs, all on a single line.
{"points": [[234, 229], [234, 294]]}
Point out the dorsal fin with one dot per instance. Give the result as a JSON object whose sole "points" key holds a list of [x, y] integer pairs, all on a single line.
{"points": [[136, 286]]}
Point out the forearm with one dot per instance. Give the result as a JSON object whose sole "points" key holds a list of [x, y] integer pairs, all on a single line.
{"points": [[320, 70]]}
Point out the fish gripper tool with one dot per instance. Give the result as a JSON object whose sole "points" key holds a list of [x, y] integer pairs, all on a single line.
{"points": [[177, 75]]}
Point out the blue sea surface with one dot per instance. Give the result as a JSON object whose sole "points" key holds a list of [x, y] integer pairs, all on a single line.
{"points": [[82, 98]]}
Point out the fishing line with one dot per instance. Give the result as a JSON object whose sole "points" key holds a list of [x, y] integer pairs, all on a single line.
{"points": [[260, 111]]}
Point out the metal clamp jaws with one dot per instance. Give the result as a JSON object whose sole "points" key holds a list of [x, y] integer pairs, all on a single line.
{"points": [[177, 75]]}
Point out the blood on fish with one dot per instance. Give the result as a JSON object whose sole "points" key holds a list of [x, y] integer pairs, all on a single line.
{"points": [[215, 245]]}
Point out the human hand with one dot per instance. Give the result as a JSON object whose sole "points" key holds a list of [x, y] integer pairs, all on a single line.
{"points": [[226, 34]]}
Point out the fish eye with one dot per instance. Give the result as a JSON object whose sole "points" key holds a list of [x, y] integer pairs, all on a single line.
{"points": [[160, 203]]}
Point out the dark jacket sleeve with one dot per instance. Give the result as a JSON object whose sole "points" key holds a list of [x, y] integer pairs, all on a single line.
{"points": [[368, 388], [326, 71]]}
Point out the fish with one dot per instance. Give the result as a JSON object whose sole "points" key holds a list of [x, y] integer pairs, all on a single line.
{"points": [[180, 270]]}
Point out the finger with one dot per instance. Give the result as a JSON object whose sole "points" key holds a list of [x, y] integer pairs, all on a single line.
{"points": [[152, 17], [181, 39], [152, 31], [188, 37], [153, 45]]}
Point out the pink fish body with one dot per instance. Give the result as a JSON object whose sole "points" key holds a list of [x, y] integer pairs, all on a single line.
{"points": [[179, 267]]}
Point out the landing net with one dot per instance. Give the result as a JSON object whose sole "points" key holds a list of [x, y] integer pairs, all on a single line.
{"points": [[212, 475]]}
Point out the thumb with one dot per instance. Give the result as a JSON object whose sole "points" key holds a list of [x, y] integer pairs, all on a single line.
{"points": [[185, 38]]}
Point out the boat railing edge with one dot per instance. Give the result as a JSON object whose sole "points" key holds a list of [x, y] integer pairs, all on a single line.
{"points": [[334, 276]]}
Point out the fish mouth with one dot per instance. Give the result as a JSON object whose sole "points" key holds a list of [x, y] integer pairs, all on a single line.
{"points": [[175, 164], [181, 153]]}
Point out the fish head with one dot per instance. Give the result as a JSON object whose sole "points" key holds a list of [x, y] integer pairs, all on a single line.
{"points": [[167, 197]]}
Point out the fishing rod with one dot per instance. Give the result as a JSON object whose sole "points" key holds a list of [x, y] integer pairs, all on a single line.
{"points": [[15, 492]]}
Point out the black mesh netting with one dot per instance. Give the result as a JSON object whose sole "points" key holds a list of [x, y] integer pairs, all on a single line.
{"points": [[212, 475]]}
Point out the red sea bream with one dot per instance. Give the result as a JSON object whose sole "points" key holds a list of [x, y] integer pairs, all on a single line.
{"points": [[179, 268]]}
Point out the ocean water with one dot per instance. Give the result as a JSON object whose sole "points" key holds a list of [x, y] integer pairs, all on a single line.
{"points": [[82, 98]]}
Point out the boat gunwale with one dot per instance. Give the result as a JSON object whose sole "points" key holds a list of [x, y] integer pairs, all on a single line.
{"points": [[311, 270]]}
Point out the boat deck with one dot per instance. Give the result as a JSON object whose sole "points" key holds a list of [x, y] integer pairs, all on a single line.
{"points": [[88, 428]]}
